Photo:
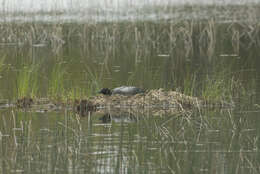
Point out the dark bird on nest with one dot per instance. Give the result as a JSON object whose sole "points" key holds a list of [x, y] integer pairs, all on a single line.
{"points": [[123, 90]]}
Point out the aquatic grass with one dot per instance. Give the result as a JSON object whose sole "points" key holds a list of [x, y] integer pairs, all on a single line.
{"points": [[143, 34], [93, 80], [190, 85], [27, 81], [213, 89], [76, 93], [32, 33], [56, 88], [223, 87], [181, 136], [62, 89], [2, 65]]}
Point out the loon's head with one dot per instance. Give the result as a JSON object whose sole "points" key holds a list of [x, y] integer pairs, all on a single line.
{"points": [[105, 91]]}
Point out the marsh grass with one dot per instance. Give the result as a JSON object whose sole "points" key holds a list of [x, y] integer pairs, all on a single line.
{"points": [[93, 79], [218, 89], [62, 88], [226, 86], [56, 89], [2, 67], [190, 85], [186, 42], [27, 81], [107, 37], [2, 63], [76, 93]]}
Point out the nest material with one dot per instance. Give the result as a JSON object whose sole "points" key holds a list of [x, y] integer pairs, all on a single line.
{"points": [[83, 106], [152, 99], [156, 102], [25, 102]]}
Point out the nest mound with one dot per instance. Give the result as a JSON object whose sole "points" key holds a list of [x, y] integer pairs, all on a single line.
{"points": [[157, 102], [152, 99]]}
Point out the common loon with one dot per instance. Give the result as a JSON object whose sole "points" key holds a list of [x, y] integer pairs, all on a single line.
{"points": [[123, 90]]}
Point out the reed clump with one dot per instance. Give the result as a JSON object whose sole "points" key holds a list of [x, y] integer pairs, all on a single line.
{"points": [[27, 81], [219, 88], [2, 63], [107, 37], [62, 87], [56, 84]]}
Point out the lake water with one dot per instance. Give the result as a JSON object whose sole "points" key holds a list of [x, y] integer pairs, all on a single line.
{"points": [[127, 10], [55, 49], [68, 5]]}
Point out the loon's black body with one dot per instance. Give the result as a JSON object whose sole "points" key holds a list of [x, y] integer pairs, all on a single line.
{"points": [[123, 90]]}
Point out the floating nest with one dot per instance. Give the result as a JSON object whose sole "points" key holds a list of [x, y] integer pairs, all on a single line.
{"points": [[156, 102], [25, 102], [83, 107], [152, 99], [38, 104]]}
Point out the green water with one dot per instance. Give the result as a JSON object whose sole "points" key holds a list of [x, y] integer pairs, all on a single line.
{"points": [[206, 58]]}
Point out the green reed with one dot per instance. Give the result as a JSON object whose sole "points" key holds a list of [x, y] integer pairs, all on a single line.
{"points": [[76, 93], [27, 81], [93, 79], [63, 86], [2, 64], [217, 88], [56, 82]]}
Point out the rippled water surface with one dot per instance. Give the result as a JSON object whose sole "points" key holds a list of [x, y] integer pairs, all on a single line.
{"points": [[69, 50]]}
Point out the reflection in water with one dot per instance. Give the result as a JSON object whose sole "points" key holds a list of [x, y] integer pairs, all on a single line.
{"points": [[56, 143], [118, 117]]}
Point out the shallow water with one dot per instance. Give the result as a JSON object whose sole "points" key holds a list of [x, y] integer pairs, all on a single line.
{"points": [[192, 53], [58, 143]]}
